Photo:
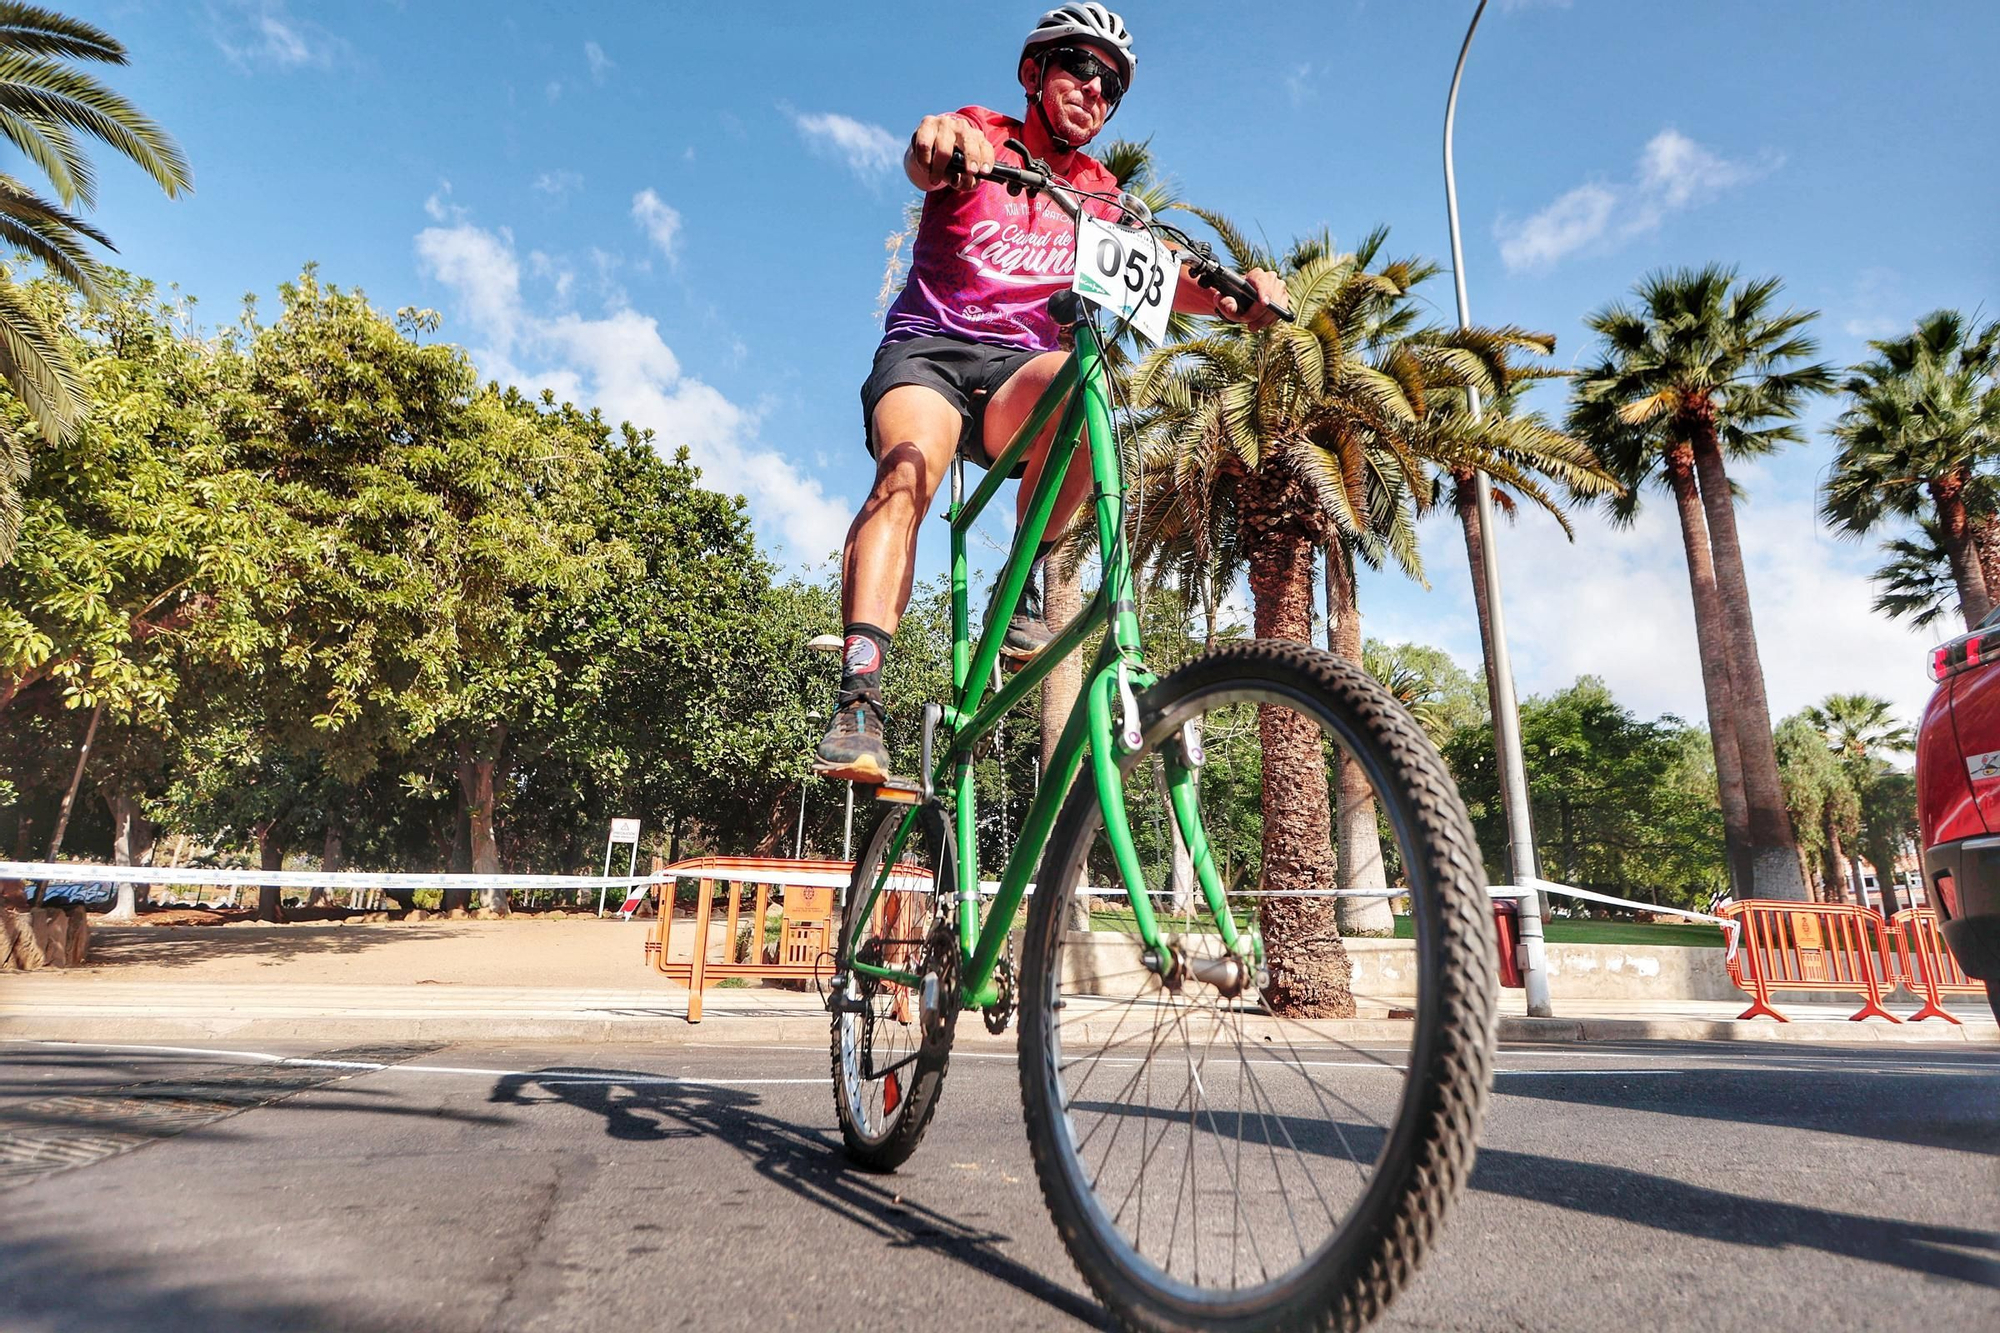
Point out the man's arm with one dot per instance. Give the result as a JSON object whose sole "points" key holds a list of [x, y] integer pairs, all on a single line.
{"points": [[927, 162]]}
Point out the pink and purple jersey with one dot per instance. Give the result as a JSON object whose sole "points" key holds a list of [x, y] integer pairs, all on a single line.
{"points": [[986, 262]]}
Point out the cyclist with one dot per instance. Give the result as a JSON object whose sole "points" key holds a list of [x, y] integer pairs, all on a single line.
{"points": [[969, 344]]}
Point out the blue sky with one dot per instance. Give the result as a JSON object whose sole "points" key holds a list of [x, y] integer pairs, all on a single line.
{"points": [[677, 211]]}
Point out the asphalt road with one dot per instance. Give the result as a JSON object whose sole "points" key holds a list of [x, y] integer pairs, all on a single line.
{"points": [[484, 1187]]}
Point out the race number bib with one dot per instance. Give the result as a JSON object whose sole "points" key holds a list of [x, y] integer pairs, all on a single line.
{"points": [[1127, 273]]}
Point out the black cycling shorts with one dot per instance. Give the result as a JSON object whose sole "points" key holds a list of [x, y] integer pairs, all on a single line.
{"points": [[968, 374]]}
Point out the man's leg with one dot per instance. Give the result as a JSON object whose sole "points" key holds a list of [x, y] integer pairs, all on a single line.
{"points": [[915, 429], [1010, 405]]}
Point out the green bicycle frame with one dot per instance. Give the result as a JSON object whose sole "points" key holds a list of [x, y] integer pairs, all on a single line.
{"points": [[1080, 392]]}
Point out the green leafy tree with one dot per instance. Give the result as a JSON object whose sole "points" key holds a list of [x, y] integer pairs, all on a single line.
{"points": [[1439, 693], [1820, 793], [1919, 440], [1617, 805], [1701, 369], [50, 104], [1888, 827]]}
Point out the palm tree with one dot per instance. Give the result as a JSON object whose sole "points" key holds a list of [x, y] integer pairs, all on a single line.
{"points": [[1704, 368], [1919, 439], [1520, 452], [46, 103], [1915, 582], [1859, 728], [1258, 451]]}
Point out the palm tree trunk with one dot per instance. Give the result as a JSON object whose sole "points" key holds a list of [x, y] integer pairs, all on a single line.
{"points": [[1955, 526], [1354, 796], [1310, 973], [1774, 847], [1837, 875], [1466, 501], [1062, 600], [1709, 632], [1986, 545]]}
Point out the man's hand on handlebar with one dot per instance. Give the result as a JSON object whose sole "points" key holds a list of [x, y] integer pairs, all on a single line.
{"points": [[928, 163], [1270, 292]]}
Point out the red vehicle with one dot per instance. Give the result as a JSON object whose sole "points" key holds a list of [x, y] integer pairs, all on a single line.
{"points": [[1958, 799]]}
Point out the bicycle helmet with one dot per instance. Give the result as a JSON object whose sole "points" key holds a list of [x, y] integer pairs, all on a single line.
{"points": [[1087, 23], [1078, 22]]}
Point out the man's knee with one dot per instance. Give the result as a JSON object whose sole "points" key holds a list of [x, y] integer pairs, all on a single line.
{"points": [[905, 472]]}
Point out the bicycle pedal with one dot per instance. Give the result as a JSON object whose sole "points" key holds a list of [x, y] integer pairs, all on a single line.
{"points": [[896, 791]]}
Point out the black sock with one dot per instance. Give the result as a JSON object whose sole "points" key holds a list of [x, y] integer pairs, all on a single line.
{"points": [[864, 649]]}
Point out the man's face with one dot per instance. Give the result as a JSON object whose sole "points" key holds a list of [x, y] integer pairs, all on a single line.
{"points": [[1077, 109]]}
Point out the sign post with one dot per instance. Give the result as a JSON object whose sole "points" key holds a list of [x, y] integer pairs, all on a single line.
{"points": [[622, 830]]}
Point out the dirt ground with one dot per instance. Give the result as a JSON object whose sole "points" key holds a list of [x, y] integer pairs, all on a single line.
{"points": [[525, 951]]}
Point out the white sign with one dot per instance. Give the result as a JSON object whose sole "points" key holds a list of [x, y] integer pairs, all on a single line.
{"points": [[624, 830], [1127, 273]]}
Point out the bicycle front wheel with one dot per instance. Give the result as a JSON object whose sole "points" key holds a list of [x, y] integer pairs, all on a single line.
{"points": [[1229, 1145]]}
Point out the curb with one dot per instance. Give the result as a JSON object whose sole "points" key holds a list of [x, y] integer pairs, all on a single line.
{"points": [[811, 1029]]}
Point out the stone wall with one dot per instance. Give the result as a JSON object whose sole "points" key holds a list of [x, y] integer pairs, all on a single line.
{"points": [[1385, 971]]}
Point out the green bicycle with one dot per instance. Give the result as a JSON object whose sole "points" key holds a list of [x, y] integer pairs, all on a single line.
{"points": [[1211, 1157]]}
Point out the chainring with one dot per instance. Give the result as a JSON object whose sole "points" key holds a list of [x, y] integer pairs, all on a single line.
{"points": [[940, 959], [1002, 1010]]}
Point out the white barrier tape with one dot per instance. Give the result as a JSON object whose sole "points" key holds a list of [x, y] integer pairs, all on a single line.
{"points": [[72, 872], [1730, 929]]}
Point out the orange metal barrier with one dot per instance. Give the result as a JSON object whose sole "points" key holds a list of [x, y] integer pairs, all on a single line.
{"points": [[1811, 947], [1926, 964], [805, 934]]}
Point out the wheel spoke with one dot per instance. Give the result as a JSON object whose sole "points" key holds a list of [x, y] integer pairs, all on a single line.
{"points": [[1205, 1175]]}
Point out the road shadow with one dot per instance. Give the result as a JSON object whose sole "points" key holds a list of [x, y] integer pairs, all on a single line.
{"points": [[112, 947], [78, 1122], [1893, 1107], [805, 1163], [108, 1283], [1961, 1254]]}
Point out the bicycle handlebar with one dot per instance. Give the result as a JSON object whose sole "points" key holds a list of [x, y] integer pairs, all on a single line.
{"points": [[1209, 271]]}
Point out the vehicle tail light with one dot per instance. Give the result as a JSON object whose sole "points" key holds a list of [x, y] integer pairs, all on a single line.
{"points": [[1965, 652]]}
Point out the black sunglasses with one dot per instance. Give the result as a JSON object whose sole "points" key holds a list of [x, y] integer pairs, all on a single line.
{"points": [[1085, 66]]}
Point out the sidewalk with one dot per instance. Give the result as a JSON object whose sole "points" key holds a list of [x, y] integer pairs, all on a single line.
{"points": [[587, 981]]}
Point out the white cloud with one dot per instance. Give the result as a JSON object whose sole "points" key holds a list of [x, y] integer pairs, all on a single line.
{"points": [[553, 91], [1617, 605], [559, 182], [1299, 86], [1570, 223], [1673, 173], [600, 64], [265, 33], [620, 363], [439, 204], [870, 151], [660, 221]]}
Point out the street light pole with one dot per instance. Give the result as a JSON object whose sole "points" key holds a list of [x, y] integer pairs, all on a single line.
{"points": [[1500, 673], [799, 842]]}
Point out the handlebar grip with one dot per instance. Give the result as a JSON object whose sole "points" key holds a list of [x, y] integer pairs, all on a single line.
{"points": [[1238, 289]]}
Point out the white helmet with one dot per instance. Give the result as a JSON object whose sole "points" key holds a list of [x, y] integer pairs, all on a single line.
{"points": [[1084, 22]]}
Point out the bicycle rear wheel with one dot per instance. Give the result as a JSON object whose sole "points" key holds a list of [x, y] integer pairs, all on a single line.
{"points": [[887, 1069], [1232, 1153]]}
